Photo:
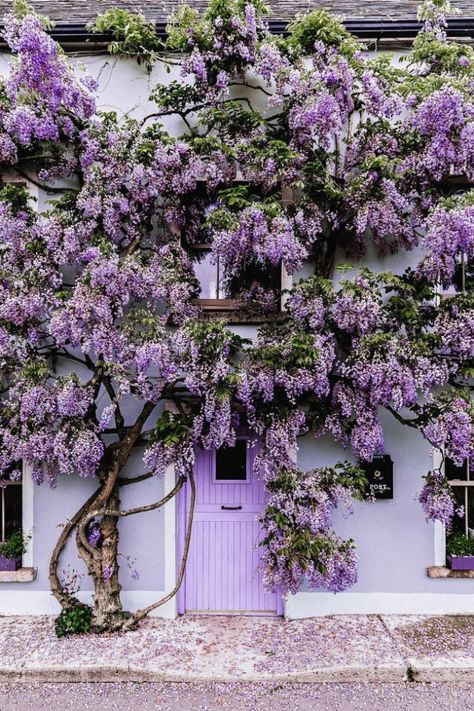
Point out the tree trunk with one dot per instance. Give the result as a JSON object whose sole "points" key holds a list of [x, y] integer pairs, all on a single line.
{"points": [[108, 614], [103, 567]]}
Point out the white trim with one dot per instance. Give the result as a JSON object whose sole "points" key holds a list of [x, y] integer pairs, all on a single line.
{"points": [[170, 609], [42, 602], [286, 284], [439, 528], [28, 514], [439, 543], [307, 604]]}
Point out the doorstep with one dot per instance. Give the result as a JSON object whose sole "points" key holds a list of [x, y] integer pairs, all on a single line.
{"points": [[441, 571]]}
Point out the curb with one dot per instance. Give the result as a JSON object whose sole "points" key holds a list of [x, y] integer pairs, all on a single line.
{"points": [[396, 673], [416, 672]]}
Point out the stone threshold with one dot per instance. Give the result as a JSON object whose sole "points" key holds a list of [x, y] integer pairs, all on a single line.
{"points": [[22, 575], [441, 571]]}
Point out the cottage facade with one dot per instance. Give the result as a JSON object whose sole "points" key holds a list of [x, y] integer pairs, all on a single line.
{"points": [[401, 556]]}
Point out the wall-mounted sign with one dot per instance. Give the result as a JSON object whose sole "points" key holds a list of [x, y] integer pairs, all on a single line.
{"points": [[379, 473]]}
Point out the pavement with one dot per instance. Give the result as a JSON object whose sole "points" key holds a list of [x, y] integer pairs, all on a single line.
{"points": [[348, 649], [237, 696]]}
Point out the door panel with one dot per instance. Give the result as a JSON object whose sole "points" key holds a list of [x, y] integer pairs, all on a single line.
{"points": [[222, 569]]}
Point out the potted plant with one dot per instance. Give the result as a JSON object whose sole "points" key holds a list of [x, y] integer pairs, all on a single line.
{"points": [[12, 550], [460, 552]]}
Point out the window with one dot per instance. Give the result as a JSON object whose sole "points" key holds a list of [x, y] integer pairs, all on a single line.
{"points": [[463, 278], [231, 462], [221, 293], [463, 489], [11, 508], [253, 296], [216, 291]]}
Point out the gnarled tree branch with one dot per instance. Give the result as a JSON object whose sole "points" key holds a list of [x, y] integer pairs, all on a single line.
{"points": [[140, 614]]}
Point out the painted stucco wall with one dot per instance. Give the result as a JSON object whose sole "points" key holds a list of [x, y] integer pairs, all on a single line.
{"points": [[395, 543]]}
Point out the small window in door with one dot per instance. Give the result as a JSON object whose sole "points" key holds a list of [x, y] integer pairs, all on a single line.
{"points": [[231, 462]]}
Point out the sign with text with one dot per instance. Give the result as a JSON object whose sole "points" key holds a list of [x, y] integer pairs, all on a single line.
{"points": [[379, 473]]}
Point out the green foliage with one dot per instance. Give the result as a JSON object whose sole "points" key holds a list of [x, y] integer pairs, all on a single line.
{"points": [[212, 337], [170, 429], [33, 370], [174, 96], [322, 26], [17, 198], [430, 10], [21, 9], [188, 19], [459, 544], [231, 119], [315, 286], [453, 202], [133, 35], [183, 20], [295, 351], [15, 545], [76, 620], [352, 477]]}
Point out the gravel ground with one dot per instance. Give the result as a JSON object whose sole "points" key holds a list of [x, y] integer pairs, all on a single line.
{"points": [[241, 696]]}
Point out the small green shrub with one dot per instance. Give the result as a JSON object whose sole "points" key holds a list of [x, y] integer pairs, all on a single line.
{"points": [[15, 545], [76, 620], [459, 544]]}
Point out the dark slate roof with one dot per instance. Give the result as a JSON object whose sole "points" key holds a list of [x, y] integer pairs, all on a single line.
{"points": [[81, 11]]}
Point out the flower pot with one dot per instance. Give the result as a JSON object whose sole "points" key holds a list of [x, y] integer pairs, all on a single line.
{"points": [[461, 562], [10, 563]]}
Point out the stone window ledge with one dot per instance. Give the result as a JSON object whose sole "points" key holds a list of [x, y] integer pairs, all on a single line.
{"points": [[441, 571], [22, 575]]}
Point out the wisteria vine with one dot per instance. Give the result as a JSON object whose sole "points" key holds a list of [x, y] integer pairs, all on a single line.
{"points": [[291, 150]]}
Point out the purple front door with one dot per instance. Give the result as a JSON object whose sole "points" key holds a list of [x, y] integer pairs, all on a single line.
{"points": [[222, 569]]}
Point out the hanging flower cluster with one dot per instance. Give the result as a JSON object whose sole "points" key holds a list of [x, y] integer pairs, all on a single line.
{"points": [[452, 428], [437, 499], [449, 237], [44, 98], [299, 543]]}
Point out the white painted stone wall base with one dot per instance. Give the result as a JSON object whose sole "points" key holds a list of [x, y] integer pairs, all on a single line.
{"points": [[320, 604], [41, 602]]}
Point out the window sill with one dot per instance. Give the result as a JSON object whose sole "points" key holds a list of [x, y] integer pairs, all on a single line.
{"points": [[441, 571], [22, 575], [238, 317], [227, 309]]}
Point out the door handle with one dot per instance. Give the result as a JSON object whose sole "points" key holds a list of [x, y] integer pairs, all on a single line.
{"points": [[231, 508]]}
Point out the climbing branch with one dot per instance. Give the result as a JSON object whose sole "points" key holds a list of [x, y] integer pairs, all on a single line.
{"points": [[57, 589], [137, 509], [140, 614]]}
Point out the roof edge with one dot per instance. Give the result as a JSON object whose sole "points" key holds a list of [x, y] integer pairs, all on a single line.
{"points": [[363, 28]]}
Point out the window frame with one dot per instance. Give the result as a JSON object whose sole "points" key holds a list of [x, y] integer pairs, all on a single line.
{"points": [[230, 307], [27, 492], [465, 484], [439, 527], [440, 531], [8, 483], [248, 467], [216, 303], [444, 295]]}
